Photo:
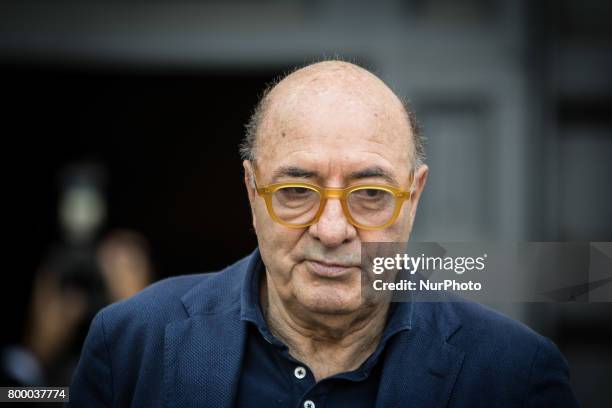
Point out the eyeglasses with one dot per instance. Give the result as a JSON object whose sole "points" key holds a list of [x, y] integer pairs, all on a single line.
{"points": [[366, 206]]}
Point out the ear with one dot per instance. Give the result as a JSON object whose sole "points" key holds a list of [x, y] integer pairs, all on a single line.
{"points": [[249, 182], [420, 178]]}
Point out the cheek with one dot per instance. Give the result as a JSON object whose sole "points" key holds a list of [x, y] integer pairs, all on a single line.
{"points": [[271, 233], [276, 242], [398, 232], [403, 226]]}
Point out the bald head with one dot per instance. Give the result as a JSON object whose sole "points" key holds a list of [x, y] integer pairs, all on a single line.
{"points": [[308, 95]]}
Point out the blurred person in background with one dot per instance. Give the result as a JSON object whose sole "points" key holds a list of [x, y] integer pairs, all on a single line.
{"points": [[125, 263], [80, 275]]}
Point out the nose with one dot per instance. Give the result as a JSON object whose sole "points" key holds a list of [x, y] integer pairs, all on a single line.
{"points": [[333, 229]]}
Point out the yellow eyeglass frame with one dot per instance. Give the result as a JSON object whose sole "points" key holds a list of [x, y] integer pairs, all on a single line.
{"points": [[340, 193]]}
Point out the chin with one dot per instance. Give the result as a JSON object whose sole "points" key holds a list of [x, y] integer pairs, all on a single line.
{"points": [[329, 301]]}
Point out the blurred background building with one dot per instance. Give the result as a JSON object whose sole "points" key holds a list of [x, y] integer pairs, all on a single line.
{"points": [[515, 98]]}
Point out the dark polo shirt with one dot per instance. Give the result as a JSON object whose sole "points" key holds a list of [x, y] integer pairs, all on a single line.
{"points": [[271, 377]]}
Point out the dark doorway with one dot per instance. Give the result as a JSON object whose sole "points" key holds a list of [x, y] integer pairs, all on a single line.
{"points": [[168, 140]]}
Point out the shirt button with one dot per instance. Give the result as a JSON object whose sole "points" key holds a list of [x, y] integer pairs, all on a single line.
{"points": [[309, 404], [300, 372]]}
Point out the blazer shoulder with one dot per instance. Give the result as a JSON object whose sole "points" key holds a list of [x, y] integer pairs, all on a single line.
{"points": [[488, 334], [480, 320], [495, 343]]}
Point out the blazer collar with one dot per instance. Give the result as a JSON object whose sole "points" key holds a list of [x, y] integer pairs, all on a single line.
{"points": [[220, 291]]}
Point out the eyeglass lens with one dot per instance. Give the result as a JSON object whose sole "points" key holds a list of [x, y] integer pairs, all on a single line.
{"points": [[367, 206]]}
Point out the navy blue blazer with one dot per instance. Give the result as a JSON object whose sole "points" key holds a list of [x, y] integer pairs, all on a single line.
{"points": [[180, 343]]}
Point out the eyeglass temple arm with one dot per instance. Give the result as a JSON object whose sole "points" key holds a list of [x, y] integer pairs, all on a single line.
{"points": [[254, 180]]}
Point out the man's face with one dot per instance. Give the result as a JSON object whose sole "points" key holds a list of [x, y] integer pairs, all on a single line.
{"points": [[332, 138]]}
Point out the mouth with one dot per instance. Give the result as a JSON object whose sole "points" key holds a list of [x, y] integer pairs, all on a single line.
{"points": [[329, 270]]}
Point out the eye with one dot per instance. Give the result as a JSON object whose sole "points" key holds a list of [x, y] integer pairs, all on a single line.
{"points": [[295, 194], [369, 193], [296, 190]]}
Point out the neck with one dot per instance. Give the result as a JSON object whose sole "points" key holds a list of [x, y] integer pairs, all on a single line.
{"points": [[328, 343]]}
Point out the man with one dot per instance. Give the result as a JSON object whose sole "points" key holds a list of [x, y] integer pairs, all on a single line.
{"points": [[332, 159]]}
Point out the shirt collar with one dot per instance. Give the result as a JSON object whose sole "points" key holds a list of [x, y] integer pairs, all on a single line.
{"points": [[399, 317], [250, 309]]}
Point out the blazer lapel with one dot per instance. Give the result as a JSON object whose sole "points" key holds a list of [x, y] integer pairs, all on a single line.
{"points": [[420, 368], [202, 360], [203, 353]]}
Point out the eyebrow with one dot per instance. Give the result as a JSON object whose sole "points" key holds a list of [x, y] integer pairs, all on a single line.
{"points": [[293, 171], [373, 172], [298, 172]]}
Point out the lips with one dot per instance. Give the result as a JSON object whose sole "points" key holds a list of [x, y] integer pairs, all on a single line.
{"points": [[329, 270]]}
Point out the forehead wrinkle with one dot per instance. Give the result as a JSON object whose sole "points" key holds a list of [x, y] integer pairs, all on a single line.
{"points": [[300, 144], [332, 166]]}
